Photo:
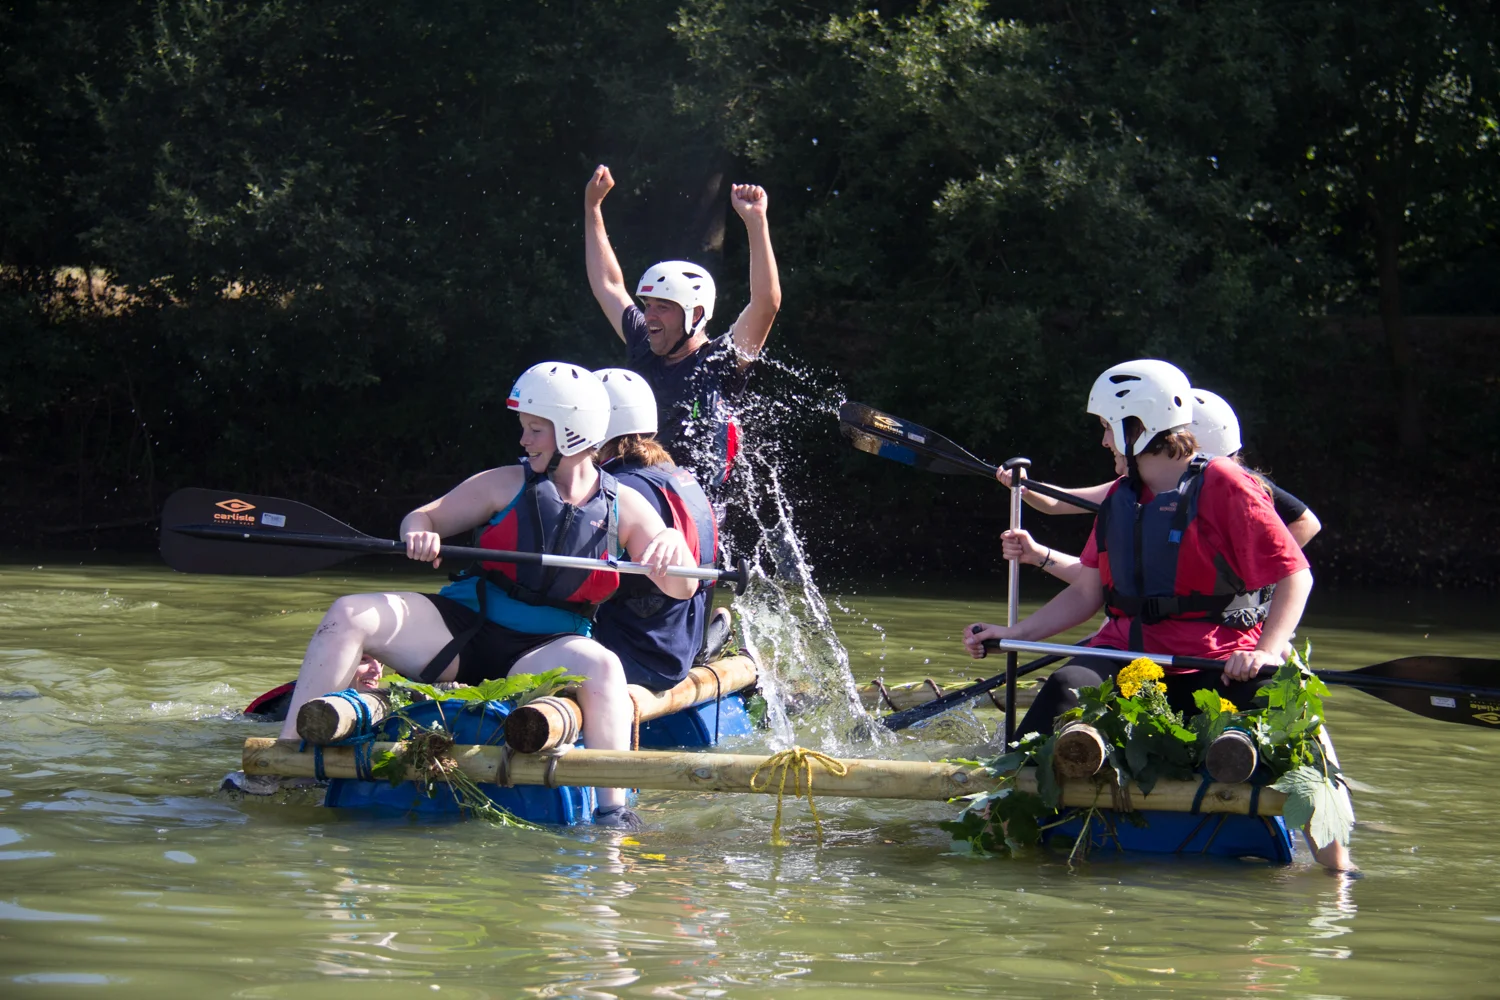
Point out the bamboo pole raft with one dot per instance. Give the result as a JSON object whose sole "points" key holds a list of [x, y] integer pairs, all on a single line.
{"points": [[546, 722], [691, 771]]}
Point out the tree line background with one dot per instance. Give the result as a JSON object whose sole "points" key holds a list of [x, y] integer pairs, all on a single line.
{"points": [[306, 248]]}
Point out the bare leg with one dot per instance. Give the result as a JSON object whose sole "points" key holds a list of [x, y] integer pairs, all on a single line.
{"points": [[404, 631], [602, 696]]}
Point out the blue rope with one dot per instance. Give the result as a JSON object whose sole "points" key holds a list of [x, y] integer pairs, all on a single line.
{"points": [[362, 739]]}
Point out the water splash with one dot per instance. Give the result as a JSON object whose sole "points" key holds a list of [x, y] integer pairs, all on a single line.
{"points": [[810, 692]]}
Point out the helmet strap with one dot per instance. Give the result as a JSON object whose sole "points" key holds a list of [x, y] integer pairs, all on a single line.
{"points": [[553, 463], [1133, 469]]}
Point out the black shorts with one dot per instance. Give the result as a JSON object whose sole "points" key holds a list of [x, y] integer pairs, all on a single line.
{"points": [[493, 649]]}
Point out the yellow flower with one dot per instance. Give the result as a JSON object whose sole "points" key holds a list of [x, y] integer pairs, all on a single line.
{"points": [[1137, 673], [1225, 705]]}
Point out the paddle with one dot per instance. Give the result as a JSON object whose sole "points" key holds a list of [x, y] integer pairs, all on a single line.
{"points": [[1455, 689], [211, 531], [902, 441], [908, 717]]}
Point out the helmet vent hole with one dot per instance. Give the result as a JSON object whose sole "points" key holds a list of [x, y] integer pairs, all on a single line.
{"points": [[1176, 400], [1122, 393], [1124, 377]]}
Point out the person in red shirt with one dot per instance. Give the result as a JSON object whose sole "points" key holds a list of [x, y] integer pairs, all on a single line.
{"points": [[1191, 581]]}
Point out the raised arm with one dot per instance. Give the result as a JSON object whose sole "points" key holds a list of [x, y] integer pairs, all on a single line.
{"points": [[606, 280], [754, 324]]}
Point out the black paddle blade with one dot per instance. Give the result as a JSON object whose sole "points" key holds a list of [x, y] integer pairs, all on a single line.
{"points": [[903, 441], [261, 515], [1455, 689]]}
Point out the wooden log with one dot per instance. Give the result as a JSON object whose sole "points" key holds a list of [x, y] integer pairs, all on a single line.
{"points": [[328, 719], [1079, 752], [535, 727], [1232, 757], [543, 724], [715, 772], [900, 697]]}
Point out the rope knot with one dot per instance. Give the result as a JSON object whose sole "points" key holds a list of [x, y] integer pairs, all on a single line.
{"points": [[797, 761]]}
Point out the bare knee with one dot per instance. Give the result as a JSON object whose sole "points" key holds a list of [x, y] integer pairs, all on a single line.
{"points": [[343, 617]]}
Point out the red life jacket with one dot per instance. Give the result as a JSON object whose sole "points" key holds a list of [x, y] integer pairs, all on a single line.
{"points": [[541, 521], [1147, 558]]}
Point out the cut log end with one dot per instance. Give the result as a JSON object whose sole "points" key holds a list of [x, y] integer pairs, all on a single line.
{"points": [[1080, 751], [543, 724], [1232, 757], [326, 720]]}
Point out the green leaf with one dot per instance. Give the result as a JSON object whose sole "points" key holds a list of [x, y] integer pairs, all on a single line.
{"points": [[1318, 804]]}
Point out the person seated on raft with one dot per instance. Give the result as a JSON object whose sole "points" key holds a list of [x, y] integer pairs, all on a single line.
{"points": [[498, 617], [657, 636], [1178, 558], [1217, 431]]}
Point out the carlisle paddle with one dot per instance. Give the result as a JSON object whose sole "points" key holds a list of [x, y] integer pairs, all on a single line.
{"points": [[212, 531], [1457, 689], [1017, 468], [878, 433]]}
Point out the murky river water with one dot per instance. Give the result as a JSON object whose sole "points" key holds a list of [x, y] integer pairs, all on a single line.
{"points": [[124, 872]]}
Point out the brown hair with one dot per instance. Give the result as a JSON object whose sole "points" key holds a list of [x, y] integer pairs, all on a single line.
{"points": [[636, 449], [1175, 442]]}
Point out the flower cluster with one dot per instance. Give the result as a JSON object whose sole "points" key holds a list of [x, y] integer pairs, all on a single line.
{"points": [[1136, 674]]}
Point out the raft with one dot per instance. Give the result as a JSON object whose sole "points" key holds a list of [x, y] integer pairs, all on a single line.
{"points": [[1183, 817], [713, 712]]}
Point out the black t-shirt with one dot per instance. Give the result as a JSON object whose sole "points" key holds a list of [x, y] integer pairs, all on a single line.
{"points": [[1288, 507], [694, 397]]}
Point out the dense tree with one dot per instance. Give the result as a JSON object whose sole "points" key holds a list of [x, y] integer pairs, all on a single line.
{"points": [[306, 247]]}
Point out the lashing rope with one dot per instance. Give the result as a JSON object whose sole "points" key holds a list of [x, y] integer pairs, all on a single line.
{"points": [[797, 761], [361, 738]]}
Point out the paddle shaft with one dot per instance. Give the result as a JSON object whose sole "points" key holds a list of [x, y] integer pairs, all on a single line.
{"points": [[918, 713], [908, 440], [1353, 678], [385, 546], [1017, 467]]}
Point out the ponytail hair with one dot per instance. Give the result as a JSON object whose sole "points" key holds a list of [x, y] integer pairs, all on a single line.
{"points": [[635, 449]]}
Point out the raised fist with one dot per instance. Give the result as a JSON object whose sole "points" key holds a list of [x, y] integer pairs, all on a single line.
{"points": [[749, 200], [598, 186]]}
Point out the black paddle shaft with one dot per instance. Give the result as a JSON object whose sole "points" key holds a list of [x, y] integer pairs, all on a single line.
{"points": [[919, 713], [902, 441]]}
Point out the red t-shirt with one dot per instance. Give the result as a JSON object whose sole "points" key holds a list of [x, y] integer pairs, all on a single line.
{"points": [[1237, 520]]}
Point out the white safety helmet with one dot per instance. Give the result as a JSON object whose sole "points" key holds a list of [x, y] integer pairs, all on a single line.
{"points": [[1215, 425], [682, 282], [1154, 392], [570, 396], [632, 404]]}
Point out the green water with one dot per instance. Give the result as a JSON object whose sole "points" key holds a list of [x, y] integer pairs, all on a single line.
{"points": [[124, 872]]}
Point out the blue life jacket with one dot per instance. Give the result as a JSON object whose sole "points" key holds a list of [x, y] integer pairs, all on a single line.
{"points": [[542, 521], [1140, 553], [657, 637]]}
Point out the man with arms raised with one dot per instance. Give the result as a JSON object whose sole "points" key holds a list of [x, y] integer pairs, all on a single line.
{"points": [[695, 379]]}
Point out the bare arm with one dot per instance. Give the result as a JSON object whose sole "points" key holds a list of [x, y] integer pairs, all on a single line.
{"points": [[648, 540], [754, 324], [1287, 605], [1020, 545], [1074, 606], [606, 280], [470, 503], [1048, 505], [1305, 528]]}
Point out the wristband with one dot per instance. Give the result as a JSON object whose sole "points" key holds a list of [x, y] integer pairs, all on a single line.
{"points": [[1046, 560]]}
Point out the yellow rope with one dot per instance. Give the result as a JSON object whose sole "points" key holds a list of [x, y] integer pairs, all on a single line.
{"points": [[796, 761]]}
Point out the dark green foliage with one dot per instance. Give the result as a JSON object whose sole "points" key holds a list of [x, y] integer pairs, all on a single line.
{"points": [[324, 238]]}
